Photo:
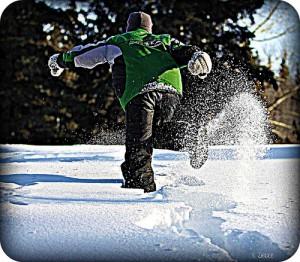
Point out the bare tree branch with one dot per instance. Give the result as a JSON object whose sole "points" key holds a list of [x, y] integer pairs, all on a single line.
{"points": [[292, 113], [278, 133], [281, 124], [282, 99], [288, 30], [268, 17]]}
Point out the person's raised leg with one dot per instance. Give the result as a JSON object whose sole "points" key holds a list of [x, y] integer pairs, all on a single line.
{"points": [[173, 134]]}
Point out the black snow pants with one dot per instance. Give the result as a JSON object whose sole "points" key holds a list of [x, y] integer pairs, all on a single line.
{"points": [[148, 117]]}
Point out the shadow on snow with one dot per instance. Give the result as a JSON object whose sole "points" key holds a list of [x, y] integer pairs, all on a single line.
{"points": [[32, 179], [45, 158]]}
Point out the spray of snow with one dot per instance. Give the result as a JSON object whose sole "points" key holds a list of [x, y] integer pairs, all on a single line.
{"points": [[242, 122]]}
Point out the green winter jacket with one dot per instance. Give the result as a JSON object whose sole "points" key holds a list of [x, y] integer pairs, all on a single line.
{"points": [[147, 60]]}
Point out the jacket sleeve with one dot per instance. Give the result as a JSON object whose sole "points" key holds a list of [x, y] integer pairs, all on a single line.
{"points": [[89, 56], [182, 53]]}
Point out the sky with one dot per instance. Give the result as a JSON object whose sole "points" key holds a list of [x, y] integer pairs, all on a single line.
{"points": [[279, 34]]}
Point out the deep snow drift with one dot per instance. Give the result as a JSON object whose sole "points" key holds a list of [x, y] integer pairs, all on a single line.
{"points": [[64, 203]]}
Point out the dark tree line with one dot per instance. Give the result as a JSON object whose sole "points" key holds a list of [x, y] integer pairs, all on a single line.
{"points": [[38, 108]]}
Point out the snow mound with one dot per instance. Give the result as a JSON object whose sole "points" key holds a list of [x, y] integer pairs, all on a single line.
{"points": [[171, 218]]}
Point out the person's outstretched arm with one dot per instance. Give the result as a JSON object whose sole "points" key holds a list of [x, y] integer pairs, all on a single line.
{"points": [[87, 56], [197, 61]]}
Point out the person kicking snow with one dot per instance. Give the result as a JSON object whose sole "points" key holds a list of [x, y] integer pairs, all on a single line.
{"points": [[147, 80]]}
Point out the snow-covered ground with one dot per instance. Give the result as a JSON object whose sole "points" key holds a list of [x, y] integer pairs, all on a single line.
{"points": [[64, 203]]}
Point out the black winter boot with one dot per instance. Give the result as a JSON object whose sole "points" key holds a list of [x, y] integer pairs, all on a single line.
{"points": [[150, 188], [147, 189]]}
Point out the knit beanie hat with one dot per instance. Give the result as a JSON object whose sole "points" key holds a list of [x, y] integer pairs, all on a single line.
{"points": [[139, 20]]}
